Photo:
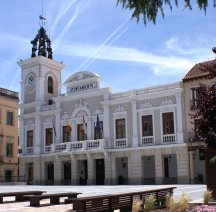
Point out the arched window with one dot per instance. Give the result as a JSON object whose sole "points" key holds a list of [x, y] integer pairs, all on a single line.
{"points": [[50, 85]]}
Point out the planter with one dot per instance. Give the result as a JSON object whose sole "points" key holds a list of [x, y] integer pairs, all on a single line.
{"points": [[210, 170]]}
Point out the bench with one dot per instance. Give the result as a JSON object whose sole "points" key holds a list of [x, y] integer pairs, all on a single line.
{"points": [[54, 198], [121, 201], [19, 195]]}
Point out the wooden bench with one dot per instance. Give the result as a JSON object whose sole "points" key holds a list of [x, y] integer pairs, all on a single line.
{"points": [[54, 198], [121, 201], [19, 195]]}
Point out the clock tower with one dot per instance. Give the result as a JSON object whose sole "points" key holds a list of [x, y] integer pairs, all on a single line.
{"points": [[40, 83]]}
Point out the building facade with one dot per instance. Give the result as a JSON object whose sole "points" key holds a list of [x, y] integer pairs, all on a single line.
{"points": [[90, 135], [8, 135], [192, 80]]}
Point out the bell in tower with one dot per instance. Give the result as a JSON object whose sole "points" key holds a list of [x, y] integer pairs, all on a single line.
{"points": [[41, 45]]}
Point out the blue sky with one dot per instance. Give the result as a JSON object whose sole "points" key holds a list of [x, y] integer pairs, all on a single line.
{"points": [[98, 36]]}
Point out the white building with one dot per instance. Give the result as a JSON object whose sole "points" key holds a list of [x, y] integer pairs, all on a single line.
{"points": [[138, 138]]}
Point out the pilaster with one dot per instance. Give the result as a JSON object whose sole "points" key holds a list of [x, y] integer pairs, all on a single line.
{"points": [[158, 166], [37, 134], [134, 126], [135, 170], [57, 170], [107, 163], [106, 128], [180, 138], [90, 170], [74, 179]]}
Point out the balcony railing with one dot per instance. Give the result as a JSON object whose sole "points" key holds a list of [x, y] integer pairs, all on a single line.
{"points": [[120, 143], [30, 150], [76, 146], [148, 140], [47, 149], [169, 139], [60, 147]]}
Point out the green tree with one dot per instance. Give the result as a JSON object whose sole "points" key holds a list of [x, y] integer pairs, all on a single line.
{"points": [[148, 9]]}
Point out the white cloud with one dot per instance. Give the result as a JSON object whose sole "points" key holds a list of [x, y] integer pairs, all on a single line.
{"points": [[80, 7], [116, 53]]}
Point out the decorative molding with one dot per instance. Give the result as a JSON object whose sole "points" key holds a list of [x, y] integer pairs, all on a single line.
{"points": [[82, 103], [145, 105], [97, 111], [48, 119], [166, 102], [146, 112], [65, 117], [30, 122], [119, 108], [81, 114]]}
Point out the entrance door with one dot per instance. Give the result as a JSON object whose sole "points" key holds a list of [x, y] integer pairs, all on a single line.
{"points": [[166, 167], [83, 172], [100, 172], [67, 173], [30, 173], [8, 174], [50, 173]]}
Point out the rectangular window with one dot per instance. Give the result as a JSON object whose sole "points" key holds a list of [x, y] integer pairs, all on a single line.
{"points": [[147, 126], [168, 123], [30, 138], [9, 118], [66, 134], [120, 128], [9, 150], [81, 136], [194, 95], [49, 136], [98, 132]]}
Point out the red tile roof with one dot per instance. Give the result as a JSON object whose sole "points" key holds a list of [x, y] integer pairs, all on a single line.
{"points": [[200, 70]]}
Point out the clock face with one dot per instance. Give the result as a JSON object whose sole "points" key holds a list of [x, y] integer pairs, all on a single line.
{"points": [[31, 80]]}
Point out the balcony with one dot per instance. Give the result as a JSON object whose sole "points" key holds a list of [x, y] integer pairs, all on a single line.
{"points": [[30, 150], [169, 139], [147, 141], [76, 146], [120, 143]]}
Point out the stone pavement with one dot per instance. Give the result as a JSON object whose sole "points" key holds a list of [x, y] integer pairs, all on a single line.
{"points": [[195, 191]]}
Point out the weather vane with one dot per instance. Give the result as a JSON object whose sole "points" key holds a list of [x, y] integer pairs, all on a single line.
{"points": [[41, 17]]}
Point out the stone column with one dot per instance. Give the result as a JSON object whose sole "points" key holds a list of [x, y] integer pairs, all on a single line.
{"points": [[90, 164], [74, 179], [58, 127], [22, 93], [37, 134], [74, 130], [135, 170], [182, 165], [158, 167], [36, 170], [191, 166], [180, 138], [107, 167], [106, 127], [89, 129], [134, 126], [113, 170], [57, 170]]}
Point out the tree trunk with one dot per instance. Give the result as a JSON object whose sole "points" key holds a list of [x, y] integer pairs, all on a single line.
{"points": [[210, 170]]}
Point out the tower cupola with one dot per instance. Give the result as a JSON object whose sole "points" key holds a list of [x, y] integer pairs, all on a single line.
{"points": [[41, 45]]}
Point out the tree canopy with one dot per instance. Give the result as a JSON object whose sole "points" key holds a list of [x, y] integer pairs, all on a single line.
{"points": [[204, 117], [148, 9]]}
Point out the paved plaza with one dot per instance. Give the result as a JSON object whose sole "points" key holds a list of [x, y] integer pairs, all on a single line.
{"points": [[194, 191]]}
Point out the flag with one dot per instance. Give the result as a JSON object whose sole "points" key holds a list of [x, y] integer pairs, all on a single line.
{"points": [[97, 124], [69, 127], [84, 126], [54, 128]]}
